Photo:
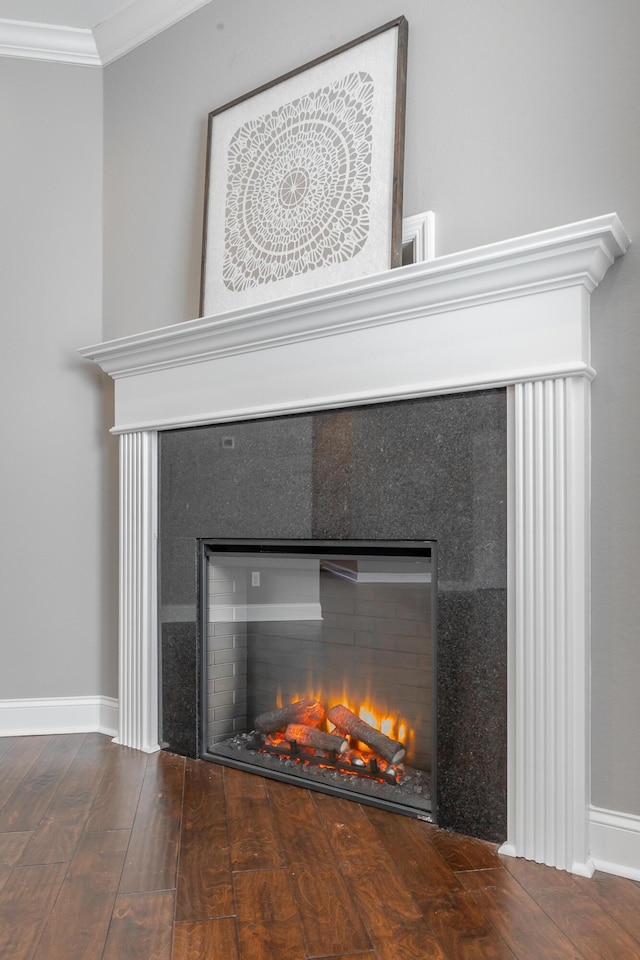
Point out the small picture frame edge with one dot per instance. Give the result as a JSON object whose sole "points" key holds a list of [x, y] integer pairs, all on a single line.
{"points": [[419, 238]]}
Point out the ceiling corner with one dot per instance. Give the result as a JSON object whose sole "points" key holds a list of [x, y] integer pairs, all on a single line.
{"points": [[97, 46], [138, 22]]}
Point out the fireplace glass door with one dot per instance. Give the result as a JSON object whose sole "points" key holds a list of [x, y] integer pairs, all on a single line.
{"points": [[318, 665]]}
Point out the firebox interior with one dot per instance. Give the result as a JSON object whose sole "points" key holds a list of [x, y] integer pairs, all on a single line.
{"points": [[318, 662]]}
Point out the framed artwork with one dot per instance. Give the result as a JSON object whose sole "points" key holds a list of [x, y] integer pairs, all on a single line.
{"points": [[304, 176]]}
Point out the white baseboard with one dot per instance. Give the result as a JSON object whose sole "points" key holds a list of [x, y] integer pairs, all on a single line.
{"points": [[615, 842], [22, 718]]}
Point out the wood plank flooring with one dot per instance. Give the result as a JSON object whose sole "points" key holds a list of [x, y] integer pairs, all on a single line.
{"points": [[110, 854]]}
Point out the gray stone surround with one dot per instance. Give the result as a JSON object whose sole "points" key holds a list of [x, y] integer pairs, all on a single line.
{"points": [[433, 468]]}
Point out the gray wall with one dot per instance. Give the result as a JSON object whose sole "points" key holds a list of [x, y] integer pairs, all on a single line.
{"points": [[521, 116], [56, 574]]}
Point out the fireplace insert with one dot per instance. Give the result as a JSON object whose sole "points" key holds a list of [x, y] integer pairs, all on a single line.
{"points": [[318, 665]]}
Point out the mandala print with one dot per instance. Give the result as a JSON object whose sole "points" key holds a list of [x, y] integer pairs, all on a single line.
{"points": [[298, 185]]}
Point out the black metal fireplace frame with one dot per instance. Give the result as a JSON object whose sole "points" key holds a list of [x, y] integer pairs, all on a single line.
{"points": [[310, 548]]}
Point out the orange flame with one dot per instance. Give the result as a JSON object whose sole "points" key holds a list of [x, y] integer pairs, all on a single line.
{"points": [[394, 727]]}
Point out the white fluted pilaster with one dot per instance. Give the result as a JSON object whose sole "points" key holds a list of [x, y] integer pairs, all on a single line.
{"points": [[550, 629], [138, 670]]}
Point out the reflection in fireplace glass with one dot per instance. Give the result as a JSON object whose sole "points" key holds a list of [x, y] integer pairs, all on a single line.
{"points": [[319, 666]]}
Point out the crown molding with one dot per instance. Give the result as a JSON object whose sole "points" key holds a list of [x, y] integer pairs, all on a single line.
{"points": [[578, 254], [43, 41], [107, 41]]}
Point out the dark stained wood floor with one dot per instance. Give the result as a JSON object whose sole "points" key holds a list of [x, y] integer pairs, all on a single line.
{"points": [[110, 854]]}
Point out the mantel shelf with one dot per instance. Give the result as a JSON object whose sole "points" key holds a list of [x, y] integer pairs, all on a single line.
{"points": [[578, 254]]}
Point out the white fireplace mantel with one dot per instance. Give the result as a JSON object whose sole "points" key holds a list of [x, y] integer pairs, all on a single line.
{"points": [[505, 313], [512, 314]]}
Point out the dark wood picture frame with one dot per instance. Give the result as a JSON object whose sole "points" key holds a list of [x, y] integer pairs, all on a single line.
{"points": [[237, 224]]}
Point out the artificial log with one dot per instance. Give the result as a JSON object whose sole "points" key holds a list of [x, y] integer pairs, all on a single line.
{"points": [[312, 737], [354, 757], [309, 712], [348, 723]]}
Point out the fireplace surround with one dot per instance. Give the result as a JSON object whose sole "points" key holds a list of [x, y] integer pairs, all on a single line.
{"points": [[432, 468], [513, 314]]}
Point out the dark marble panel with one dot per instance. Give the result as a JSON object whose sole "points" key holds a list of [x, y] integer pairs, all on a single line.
{"points": [[248, 479], [178, 585], [430, 469], [179, 663], [472, 713]]}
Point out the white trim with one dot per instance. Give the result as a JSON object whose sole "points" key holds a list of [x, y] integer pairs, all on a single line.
{"points": [[510, 312], [615, 842], [23, 718], [138, 660], [421, 230], [548, 648], [577, 255], [128, 28], [44, 41], [412, 391]]}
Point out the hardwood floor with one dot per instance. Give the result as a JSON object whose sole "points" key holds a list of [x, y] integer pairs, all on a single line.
{"points": [[109, 854]]}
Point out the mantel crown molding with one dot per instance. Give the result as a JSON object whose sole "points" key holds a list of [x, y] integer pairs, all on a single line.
{"points": [[577, 254]]}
